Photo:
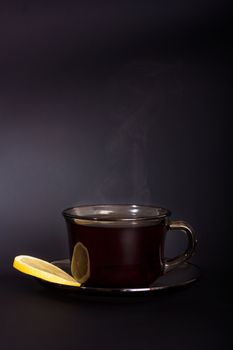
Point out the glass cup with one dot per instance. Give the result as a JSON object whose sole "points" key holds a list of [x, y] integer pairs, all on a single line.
{"points": [[121, 246]]}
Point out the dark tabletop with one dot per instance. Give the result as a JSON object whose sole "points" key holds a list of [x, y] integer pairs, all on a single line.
{"points": [[195, 317]]}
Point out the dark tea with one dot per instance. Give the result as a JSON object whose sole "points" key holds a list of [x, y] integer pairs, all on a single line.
{"points": [[121, 246], [121, 256]]}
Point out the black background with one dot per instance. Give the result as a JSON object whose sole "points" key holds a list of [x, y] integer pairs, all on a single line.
{"points": [[115, 102]]}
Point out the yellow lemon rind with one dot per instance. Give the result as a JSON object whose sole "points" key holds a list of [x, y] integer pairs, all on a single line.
{"points": [[25, 268]]}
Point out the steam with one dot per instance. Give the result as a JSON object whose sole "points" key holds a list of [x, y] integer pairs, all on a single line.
{"points": [[139, 98], [127, 178]]}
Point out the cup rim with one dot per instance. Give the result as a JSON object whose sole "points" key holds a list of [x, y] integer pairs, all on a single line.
{"points": [[157, 213]]}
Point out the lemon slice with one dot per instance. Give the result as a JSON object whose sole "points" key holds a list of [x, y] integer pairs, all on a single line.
{"points": [[43, 270], [80, 264]]}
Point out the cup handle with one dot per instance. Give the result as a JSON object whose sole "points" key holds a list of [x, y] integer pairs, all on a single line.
{"points": [[170, 264]]}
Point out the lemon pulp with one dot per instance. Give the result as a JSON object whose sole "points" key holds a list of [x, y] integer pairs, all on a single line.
{"points": [[80, 264], [44, 270]]}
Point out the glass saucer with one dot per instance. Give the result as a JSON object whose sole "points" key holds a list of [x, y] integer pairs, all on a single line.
{"points": [[184, 275]]}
